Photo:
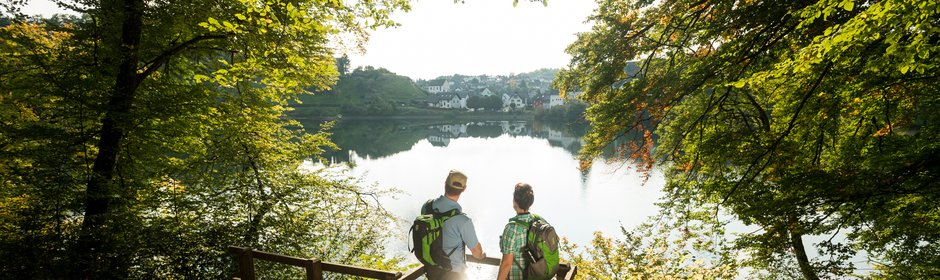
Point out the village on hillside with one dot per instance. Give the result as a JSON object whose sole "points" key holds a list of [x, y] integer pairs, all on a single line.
{"points": [[496, 93]]}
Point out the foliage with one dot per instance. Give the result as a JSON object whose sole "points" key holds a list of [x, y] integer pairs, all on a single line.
{"points": [[366, 91], [342, 65], [568, 112], [800, 118], [664, 247], [492, 103], [141, 139]]}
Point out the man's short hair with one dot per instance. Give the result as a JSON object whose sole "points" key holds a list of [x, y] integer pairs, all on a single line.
{"points": [[456, 183], [523, 196]]}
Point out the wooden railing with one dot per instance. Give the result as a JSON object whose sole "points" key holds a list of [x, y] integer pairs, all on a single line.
{"points": [[315, 268]]}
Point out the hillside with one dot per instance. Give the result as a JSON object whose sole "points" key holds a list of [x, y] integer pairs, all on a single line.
{"points": [[376, 91]]}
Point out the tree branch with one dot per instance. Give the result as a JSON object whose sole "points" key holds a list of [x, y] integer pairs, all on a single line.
{"points": [[773, 147], [152, 65]]}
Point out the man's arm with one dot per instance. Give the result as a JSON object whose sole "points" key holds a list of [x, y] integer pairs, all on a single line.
{"points": [[504, 266], [477, 251], [469, 235]]}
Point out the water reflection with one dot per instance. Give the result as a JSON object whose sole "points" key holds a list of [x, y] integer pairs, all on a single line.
{"points": [[381, 138], [415, 156]]}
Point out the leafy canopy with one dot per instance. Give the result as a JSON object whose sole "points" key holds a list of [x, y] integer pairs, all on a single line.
{"points": [[190, 97], [798, 117]]}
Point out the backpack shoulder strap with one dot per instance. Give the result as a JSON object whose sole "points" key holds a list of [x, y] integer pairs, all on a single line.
{"points": [[536, 217], [450, 214], [428, 207]]}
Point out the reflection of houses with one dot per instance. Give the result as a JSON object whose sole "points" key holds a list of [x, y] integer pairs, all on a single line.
{"points": [[442, 134], [515, 128], [439, 140], [445, 133], [455, 130], [558, 138]]}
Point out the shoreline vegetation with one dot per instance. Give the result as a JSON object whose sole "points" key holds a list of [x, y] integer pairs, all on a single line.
{"points": [[569, 112]]}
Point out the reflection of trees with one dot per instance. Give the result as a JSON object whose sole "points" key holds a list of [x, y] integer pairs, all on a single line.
{"points": [[381, 138], [484, 130], [373, 138]]}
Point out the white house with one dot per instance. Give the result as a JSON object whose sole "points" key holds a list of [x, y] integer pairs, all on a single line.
{"points": [[555, 100], [448, 100], [512, 101], [440, 85], [486, 92], [447, 86]]}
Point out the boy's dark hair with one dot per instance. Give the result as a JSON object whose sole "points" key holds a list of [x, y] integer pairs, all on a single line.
{"points": [[523, 196]]}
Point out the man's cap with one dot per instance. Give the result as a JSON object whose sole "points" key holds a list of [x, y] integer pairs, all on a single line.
{"points": [[456, 180]]}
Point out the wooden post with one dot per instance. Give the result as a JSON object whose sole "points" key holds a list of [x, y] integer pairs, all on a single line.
{"points": [[572, 273], [246, 265], [314, 270]]}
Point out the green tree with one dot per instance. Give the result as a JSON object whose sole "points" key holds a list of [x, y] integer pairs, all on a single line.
{"points": [[493, 103], [800, 118], [342, 65], [159, 128]]}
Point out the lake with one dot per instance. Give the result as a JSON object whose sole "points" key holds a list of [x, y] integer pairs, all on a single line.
{"points": [[415, 157]]}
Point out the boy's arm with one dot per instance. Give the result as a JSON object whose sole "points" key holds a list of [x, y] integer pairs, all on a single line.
{"points": [[504, 266]]}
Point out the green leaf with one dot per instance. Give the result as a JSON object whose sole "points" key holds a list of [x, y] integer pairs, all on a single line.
{"points": [[200, 78]]}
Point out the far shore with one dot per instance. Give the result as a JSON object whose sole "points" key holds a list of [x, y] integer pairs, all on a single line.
{"points": [[450, 116]]}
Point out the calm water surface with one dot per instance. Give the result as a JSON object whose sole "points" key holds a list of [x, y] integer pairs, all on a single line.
{"points": [[415, 157]]}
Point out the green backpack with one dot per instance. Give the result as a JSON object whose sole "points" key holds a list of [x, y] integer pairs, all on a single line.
{"points": [[541, 250], [427, 235]]}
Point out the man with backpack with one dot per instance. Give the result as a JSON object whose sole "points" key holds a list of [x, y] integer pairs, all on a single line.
{"points": [[442, 231], [529, 244]]}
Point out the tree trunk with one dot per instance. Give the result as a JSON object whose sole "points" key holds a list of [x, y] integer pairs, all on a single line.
{"points": [[796, 241], [95, 248]]}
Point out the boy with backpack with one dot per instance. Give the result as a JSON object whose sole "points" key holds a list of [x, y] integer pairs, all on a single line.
{"points": [[442, 231], [529, 244]]}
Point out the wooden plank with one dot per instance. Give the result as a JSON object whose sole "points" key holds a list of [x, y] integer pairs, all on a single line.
{"points": [[487, 260], [314, 270], [414, 273], [359, 271], [278, 258]]}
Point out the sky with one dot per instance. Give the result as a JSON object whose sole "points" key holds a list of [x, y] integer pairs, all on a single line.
{"points": [[440, 37]]}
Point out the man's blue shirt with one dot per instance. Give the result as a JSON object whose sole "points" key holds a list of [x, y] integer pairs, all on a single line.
{"points": [[458, 231]]}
